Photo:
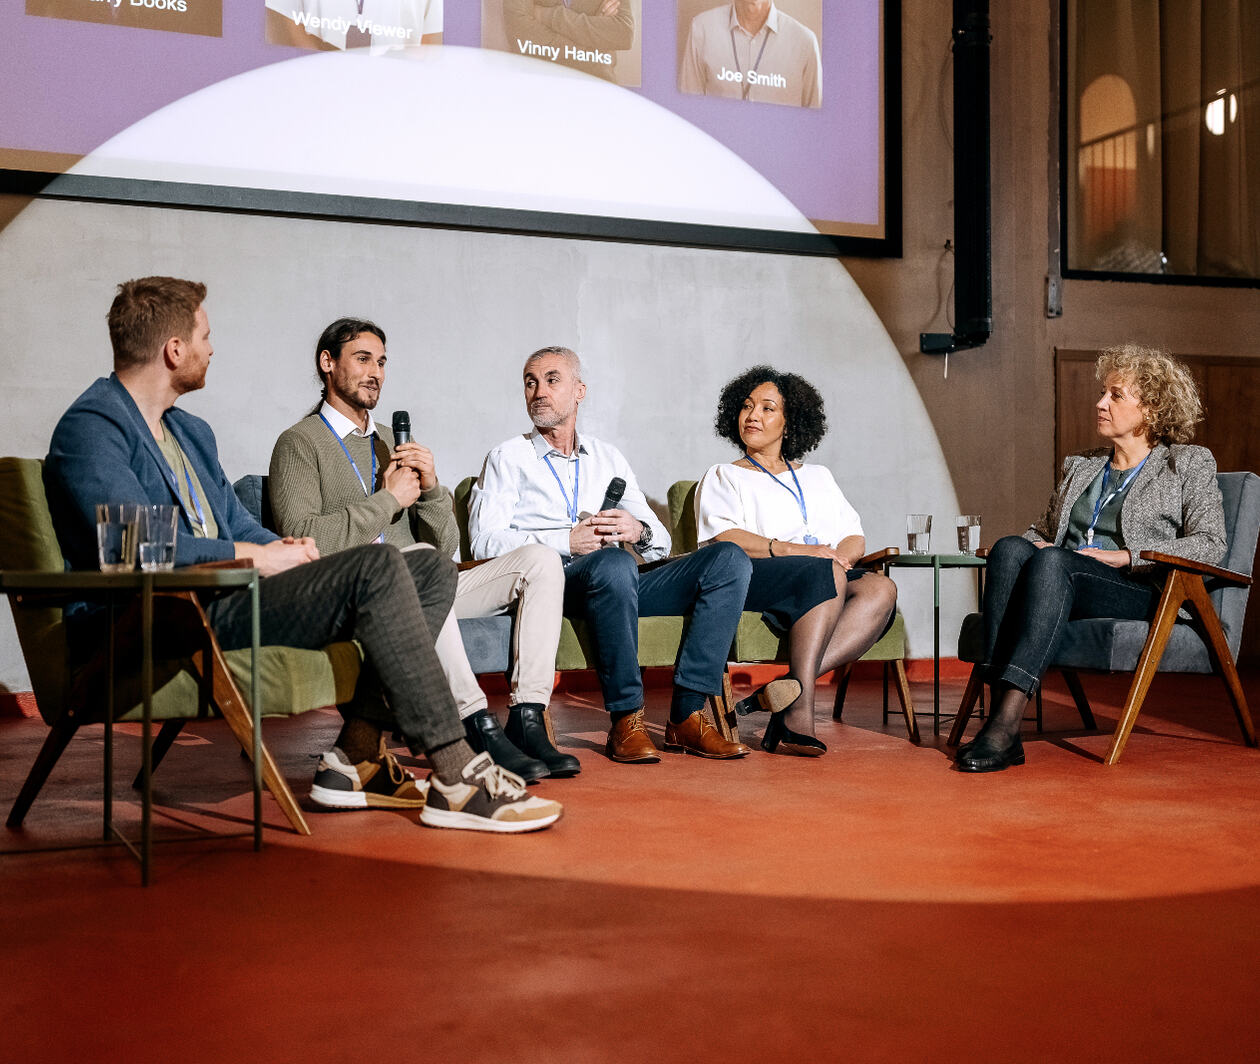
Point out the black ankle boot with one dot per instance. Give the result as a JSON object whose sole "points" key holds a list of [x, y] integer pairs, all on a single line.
{"points": [[486, 736], [527, 729]]}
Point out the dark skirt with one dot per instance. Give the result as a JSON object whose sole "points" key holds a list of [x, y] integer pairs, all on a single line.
{"points": [[783, 590]]}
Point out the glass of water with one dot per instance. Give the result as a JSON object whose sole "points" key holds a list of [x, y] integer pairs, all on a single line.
{"points": [[919, 533], [157, 537], [116, 527], [968, 534]]}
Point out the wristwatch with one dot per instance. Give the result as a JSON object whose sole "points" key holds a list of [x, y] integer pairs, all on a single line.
{"points": [[645, 540]]}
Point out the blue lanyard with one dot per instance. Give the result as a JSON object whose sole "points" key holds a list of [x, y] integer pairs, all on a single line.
{"points": [[798, 494], [199, 521], [1089, 532], [755, 67], [570, 507], [353, 464]]}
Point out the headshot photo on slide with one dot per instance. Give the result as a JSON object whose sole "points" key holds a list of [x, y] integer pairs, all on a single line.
{"points": [[755, 51], [600, 37], [339, 25]]}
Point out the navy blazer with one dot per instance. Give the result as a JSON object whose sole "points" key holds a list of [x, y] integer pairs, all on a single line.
{"points": [[102, 451]]}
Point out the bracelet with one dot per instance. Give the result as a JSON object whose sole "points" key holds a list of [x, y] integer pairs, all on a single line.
{"points": [[770, 548]]}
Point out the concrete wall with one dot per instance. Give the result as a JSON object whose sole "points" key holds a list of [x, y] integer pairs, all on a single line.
{"points": [[660, 330]]}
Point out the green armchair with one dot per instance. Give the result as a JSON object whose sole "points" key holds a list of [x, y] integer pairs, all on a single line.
{"points": [[291, 681], [756, 641]]}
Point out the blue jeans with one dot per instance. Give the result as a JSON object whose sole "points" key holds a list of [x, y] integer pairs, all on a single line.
{"points": [[606, 589], [1030, 593]]}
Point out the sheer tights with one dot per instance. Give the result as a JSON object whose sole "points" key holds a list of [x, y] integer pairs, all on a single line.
{"points": [[835, 633]]}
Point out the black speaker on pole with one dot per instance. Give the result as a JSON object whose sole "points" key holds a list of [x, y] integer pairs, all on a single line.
{"points": [[973, 223]]}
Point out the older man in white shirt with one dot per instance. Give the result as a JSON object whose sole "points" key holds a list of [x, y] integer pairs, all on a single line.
{"points": [[548, 486]]}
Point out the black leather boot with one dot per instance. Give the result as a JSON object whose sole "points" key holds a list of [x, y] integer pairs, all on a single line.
{"points": [[486, 736], [527, 729]]}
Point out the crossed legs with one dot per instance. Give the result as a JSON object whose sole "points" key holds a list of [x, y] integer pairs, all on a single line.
{"points": [[835, 633]]}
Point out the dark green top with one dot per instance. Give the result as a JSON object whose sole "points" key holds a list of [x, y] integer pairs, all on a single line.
{"points": [[1107, 535]]}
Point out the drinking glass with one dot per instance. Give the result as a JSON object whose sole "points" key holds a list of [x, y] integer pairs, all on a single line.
{"points": [[157, 537], [968, 534], [116, 536], [919, 533]]}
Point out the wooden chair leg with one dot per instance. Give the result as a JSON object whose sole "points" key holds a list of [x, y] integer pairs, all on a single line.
{"points": [[58, 738], [972, 691], [161, 745], [232, 705], [1218, 648], [1073, 682], [722, 709], [842, 688], [1038, 711], [907, 702], [1170, 601]]}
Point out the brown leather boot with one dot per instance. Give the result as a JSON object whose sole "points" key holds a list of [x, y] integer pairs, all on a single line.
{"points": [[629, 742], [696, 735]]}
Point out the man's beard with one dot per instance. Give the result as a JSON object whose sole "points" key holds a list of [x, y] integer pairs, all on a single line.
{"points": [[545, 416], [356, 400]]}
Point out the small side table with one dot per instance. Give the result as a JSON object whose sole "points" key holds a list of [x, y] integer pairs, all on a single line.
{"points": [[53, 588], [937, 562]]}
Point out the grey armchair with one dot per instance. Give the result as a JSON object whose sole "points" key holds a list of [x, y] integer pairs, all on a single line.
{"points": [[1205, 642]]}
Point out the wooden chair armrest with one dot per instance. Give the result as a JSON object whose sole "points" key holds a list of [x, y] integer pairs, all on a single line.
{"points": [[982, 552], [462, 566], [1201, 568], [875, 557]]}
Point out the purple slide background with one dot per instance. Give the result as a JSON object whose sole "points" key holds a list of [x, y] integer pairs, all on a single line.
{"points": [[69, 86]]}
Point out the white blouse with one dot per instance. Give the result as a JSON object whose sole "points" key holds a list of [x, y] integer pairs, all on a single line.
{"points": [[730, 496]]}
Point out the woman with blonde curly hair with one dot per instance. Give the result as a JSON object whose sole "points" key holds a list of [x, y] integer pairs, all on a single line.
{"points": [[1146, 489]]}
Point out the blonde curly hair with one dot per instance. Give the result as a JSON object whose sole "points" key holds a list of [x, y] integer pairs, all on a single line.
{"points": [[1164, 387]]}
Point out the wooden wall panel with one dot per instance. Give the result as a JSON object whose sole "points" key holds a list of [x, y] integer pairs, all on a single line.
{"points": [[1231, 399]]}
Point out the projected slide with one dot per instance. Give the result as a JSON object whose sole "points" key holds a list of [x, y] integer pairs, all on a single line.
{"points": [[584, 117]]}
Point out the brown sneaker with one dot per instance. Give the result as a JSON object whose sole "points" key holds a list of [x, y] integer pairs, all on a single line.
{"points": [[696, 735], [381, 783], [629, 742]]}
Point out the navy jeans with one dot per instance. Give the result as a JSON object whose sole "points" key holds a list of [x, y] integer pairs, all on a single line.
{"points": [[606, 589], [1030, 593]]}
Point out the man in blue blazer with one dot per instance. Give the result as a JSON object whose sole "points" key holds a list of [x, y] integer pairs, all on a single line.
{"points": [[123, 441]]}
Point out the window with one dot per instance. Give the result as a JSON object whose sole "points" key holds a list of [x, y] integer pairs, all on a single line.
{"points": [[1161, 139]]}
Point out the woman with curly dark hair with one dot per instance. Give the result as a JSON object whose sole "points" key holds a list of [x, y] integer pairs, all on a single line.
{"points": [[1147, 489], [804, 540]]}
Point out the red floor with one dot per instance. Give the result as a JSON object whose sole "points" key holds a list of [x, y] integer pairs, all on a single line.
{"points": [[871, 905]]}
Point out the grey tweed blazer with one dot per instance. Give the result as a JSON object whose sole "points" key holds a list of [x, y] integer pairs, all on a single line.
{"points": [[1173, 505]]}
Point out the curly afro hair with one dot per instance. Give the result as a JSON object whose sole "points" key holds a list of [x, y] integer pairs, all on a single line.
{"points": [[806, 420]]}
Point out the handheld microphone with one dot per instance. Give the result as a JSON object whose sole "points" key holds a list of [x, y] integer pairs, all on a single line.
{"points": [[402, 428], [612, 496]]}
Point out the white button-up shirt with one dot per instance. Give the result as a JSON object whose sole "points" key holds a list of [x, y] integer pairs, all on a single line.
{"points": [[342, 425], [518, 499]]}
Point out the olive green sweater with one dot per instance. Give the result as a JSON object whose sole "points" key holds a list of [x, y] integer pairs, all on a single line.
{"points": [[315, 492]]}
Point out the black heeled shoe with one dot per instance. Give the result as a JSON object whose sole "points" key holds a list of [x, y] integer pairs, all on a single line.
{"points": [[781, 738], [984, 754], [772, 697]]}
